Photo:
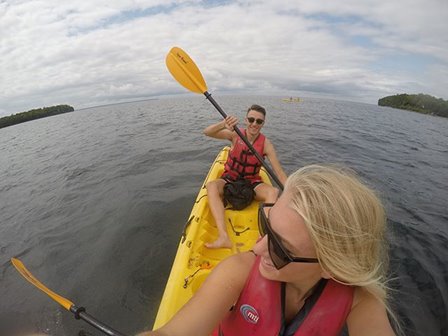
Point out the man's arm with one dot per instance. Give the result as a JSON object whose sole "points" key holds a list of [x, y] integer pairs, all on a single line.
{"points": [[223, 129], [269, 150]]}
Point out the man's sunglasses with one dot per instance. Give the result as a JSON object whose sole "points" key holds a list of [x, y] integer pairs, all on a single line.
{"points": [[252, 119], [278, 253]]}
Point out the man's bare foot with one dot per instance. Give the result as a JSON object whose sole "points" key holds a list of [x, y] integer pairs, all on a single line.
{"points": [[220, 243]]}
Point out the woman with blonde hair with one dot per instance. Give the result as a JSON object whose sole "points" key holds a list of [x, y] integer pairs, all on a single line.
{"points": [[319, 269]]}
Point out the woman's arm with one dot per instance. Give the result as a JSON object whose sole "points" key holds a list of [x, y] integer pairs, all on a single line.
{"points": [[368, 316], [212, 301]]}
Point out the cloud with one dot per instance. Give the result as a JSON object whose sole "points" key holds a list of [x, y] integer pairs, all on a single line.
{"points": [[86, 53]]}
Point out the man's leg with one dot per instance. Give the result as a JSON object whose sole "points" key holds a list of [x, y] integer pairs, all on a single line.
{"points": [[215, 190], [266, 193]]}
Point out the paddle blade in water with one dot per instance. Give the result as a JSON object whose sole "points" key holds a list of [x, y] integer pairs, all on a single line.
{"points": [[185, 71], [28, 276]]}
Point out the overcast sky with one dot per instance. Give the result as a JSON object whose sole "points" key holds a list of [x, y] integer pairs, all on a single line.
{"points": [[87, 53]]}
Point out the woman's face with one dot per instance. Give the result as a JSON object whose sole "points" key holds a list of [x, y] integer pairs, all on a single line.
{"points": [[294, 236]]}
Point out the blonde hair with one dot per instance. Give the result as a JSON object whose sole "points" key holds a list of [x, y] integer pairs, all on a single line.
{"points": [[347, 223]]}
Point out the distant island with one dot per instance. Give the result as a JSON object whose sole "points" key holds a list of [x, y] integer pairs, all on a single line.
{"points": [[34, 114], [422, 103]]}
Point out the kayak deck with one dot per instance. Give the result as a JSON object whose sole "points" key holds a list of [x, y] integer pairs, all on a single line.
{"points": [[193, 261]]}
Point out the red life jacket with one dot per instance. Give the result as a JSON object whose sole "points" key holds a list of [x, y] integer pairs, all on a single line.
{"points": [[241, 162], [258, 310]]}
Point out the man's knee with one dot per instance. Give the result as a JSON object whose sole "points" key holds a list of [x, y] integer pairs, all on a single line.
{"points": [[210, 186], [214, 186], [266, 193], [273, 193]]}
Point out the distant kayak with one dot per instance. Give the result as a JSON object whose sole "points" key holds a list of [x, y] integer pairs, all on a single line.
{"points": [[193, 261], [291, 100]]}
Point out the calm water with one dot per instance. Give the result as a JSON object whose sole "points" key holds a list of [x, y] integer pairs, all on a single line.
{"points": [[94, 201]]}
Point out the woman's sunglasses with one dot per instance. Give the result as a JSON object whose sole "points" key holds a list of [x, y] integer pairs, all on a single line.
{"points": [[252, 119], [279, 255]]}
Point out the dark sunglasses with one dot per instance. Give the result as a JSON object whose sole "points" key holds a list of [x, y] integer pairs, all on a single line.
{"points": [[252, 119], [279, 254]]}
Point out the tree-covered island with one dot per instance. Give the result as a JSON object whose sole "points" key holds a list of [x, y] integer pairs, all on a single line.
{"points": [[422, 103], [34, 114]]}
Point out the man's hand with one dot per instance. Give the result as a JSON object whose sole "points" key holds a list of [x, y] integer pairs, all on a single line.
{"points": [[231, 122]]}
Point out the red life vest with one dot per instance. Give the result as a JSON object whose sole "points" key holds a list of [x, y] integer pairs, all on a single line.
{"points": [[258, 310], [241, 162]]}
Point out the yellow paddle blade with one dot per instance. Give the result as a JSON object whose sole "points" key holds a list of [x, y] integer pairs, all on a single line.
{"points": [[28, 276], [185, 71]]}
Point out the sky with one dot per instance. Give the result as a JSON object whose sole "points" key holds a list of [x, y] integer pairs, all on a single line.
{"points": [[96, 52]]}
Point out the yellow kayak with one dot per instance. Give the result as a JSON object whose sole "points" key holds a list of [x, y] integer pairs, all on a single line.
{"points": [[291, 100], [193, 261]]}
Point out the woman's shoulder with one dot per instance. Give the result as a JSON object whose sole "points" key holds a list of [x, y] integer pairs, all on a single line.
{"points": [[362, 295], [368, 314]]}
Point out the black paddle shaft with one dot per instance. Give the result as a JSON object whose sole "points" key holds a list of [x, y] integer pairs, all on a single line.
{"points": [[80, 313], [248, 144]]}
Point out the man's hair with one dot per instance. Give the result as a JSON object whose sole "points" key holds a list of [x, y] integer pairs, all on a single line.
{"points": [[257, 108]]}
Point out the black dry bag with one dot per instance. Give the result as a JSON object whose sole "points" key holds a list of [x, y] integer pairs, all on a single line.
{"points": [[239, 193]]}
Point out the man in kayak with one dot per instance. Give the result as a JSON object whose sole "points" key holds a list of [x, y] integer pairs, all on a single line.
{"points": [[320, 268], [241, 169]]}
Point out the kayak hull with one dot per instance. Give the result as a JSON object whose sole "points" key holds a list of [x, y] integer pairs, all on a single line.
{"points": [[293, 100], [193, 261]]}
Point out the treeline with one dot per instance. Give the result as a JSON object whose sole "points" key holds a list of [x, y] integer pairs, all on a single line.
{"points": [[422, 103], [34, 114]]}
